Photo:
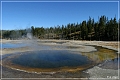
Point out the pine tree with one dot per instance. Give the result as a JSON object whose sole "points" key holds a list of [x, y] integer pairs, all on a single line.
{"points": [[84, 33]]}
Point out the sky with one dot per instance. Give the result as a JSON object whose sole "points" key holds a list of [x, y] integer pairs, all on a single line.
{"points": [[21, 15]]}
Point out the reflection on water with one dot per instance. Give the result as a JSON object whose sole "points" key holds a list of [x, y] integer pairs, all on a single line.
{"points": [[49, 59]]}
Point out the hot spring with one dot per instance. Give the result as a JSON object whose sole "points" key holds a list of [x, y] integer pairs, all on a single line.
{"points": [[46, 60], [56, 59]]}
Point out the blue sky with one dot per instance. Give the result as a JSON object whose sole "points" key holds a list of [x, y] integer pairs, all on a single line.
{"points": [[21, 15]]}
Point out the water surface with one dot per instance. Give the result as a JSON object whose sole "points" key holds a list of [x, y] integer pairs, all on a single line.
{"points": [[49, 59], [11, 45]]}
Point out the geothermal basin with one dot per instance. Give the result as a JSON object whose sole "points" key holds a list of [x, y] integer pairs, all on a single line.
{"points": [[61, 58], [46, 60]]}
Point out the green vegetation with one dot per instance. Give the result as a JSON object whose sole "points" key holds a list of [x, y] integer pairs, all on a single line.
{"points": [[103, 29]]}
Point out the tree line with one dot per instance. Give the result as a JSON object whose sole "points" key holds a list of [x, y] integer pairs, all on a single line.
{"points": [[101, 30]]}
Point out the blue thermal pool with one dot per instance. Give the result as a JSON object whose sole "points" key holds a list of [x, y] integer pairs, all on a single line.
{"points": [[46, 59], [57, 60], [49, 59]]}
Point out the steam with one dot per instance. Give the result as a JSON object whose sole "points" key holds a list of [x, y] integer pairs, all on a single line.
{"points": [[29, 34]]}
